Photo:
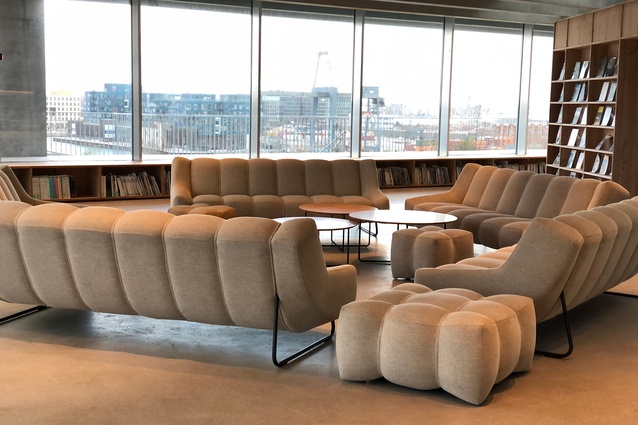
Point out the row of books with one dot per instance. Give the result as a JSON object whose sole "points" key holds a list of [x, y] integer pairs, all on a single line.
{"points": [[434, 174], [536, 167], [140, 184], [53, 187], [393, 176]]}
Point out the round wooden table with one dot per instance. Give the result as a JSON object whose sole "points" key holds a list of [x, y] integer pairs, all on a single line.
{"points": [[398, 217]]}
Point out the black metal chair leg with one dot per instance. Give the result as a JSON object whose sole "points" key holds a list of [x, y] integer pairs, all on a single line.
{"points": [[567, 330], [280, 363], [21, 314]]}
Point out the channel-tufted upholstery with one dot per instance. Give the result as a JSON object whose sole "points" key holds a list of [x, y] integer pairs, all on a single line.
{"points": [[192, 267], [274, 188], [454, 339], [581, 255], [497, 204]]}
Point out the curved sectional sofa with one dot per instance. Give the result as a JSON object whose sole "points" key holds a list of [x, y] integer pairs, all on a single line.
{"points": [[274, 187], [498, 204], [247, 271]]}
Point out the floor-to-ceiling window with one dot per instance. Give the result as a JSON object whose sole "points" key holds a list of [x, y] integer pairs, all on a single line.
{"points": [[486, 70], [200, 60], [88, 79], [195, 78], [306, 82], [540, 86], [401, 85]]}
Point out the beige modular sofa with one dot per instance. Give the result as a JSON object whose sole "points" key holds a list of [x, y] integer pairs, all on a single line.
{"points": [[560, 263], [274, 187], [497, 204], [247, 271]]}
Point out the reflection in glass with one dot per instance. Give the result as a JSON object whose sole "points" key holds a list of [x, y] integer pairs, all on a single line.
{"points": [[195, 79], [485, 89], [306, 83], [402, 86]]}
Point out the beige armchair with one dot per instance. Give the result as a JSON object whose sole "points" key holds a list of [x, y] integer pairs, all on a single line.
{"points": [[12, 190]]}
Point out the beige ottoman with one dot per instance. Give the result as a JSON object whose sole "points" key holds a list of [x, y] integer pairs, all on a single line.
{"points": [[454, 339], [429, 246], [222, 211]]}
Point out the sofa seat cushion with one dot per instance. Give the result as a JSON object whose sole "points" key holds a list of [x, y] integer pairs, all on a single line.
{"points": [[208, 199], [452, 339]]}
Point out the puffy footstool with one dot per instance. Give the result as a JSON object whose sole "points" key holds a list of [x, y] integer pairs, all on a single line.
{"points": [[222, 211], [454, 339], [429, 246]]}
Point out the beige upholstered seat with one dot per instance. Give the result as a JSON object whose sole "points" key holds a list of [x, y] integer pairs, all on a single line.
{"points": [[453, 339], [497, 205], [274, 188], [195, 267]]}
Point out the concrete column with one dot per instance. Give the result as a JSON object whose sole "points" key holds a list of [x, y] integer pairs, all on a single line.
{"points": [[22, 79]]}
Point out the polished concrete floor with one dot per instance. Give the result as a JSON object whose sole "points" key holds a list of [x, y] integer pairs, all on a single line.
{"points": [[74, 367]]}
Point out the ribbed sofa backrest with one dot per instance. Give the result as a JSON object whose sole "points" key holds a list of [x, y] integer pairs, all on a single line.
{"points": [[495, 188], [148, 262], [233, 177], [7, 190], [291, 177], [262, 176], [478, 185], [555, 195], [319, 177], [533, 195], [513, 192], [347, 177], [204, 176]]}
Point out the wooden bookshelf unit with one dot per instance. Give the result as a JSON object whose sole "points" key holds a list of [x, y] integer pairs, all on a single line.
{"points": [[593, 109], [88, 182]]}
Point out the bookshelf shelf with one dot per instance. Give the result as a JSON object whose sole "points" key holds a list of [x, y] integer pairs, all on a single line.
{"points": [[593, 96]]}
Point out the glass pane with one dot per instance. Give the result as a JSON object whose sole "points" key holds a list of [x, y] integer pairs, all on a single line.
{"points": [[306, 83], [402, 86], [540, 87], [88, 78], [485, 90], [195, 79]]}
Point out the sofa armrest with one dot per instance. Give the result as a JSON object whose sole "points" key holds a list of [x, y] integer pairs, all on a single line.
{"points": [[455, 195], [370, 184], [538, 267], [181, 193]]}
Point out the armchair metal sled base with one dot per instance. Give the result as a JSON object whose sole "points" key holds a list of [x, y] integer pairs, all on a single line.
{"points": [[280, 363]]}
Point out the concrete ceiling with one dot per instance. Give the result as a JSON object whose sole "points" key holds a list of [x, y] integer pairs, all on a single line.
{"points": [[544, 12]]}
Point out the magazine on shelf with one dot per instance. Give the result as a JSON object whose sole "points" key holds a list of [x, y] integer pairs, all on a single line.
{"points": [[573, 137], [611, 95], [580, 161], [604, 164], [570, 160], [583, 139], [583, 120], [562, 73], [577, 113], [599, 115], [582, 92], [606, 144], [556, 160], [576, 92], [576, 71], [602, 65], [596, 165], [583, 69], [603, 92], [611, 69], [607, 116], [557, 141]]}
